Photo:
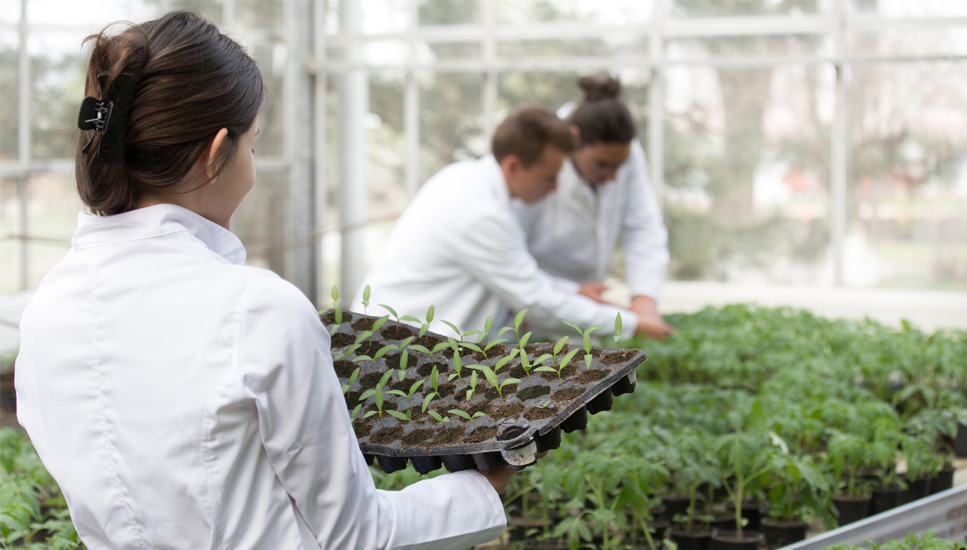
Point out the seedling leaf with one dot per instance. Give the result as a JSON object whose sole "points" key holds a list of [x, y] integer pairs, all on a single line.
{"points": [[389, 309], [519, 319]]}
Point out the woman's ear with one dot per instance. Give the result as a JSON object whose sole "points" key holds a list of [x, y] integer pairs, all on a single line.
{"points": [[211, 155]]}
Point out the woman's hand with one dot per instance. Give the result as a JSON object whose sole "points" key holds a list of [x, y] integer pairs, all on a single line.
{"points": [[650, 322]]}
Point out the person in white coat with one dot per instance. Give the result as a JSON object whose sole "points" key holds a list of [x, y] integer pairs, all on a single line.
{"points": [[603, 197], [179, 398], [459, 247]]}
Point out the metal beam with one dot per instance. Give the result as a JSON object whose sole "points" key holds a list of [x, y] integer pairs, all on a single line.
{"points": [[23, 142], [321, 144], [656, 106], [353, 185], [298, 257], [839, 153], [945, 512], [411, 115]]}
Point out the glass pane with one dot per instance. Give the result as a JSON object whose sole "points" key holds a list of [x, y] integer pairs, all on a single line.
{"points": [[902, 8], [746, 173], [746, 46], [57, 72], [613, 12], [51, 220], [451, 120], [429, 52], [270, 57], [386, 144], [449, 12], [209, 9], [10, 11], [263, 15], [908, 42], [627, 44], [707, 8], [8, 97], [58, 12], [546, 88], [259, 222], [385, 16], [908, 178], [10, 227]]}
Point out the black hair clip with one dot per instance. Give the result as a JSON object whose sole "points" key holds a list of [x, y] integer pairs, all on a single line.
{"points": [[106, 115]]}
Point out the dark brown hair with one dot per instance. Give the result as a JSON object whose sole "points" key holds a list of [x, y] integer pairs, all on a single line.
{"points": [[527, 131], [601, 116], [193, 81]]}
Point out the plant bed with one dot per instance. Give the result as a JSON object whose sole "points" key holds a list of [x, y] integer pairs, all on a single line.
{"points": [[486, 405]]}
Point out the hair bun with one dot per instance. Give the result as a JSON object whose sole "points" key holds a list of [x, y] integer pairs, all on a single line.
{"points": [[599, 87]]}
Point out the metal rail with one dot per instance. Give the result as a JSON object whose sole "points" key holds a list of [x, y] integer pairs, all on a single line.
{"points": [[944, 512]]}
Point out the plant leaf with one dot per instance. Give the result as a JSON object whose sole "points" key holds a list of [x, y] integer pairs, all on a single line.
{"points": [[366, 295], [416, 385], [427, 400], [396, 392], [409, 318], [519, 319], [355, 412], [509, 381], [429, 314], [575, 327], [398, 414], [458, 412], [334, 293], [617, 326], [451, 325], [367, 394], [559, 345], [369, 413], [386, 376], [378, 323], [389, 309], [419, 348]]}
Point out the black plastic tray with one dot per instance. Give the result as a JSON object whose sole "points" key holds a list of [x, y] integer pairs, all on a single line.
{"points": [[496, 440]]}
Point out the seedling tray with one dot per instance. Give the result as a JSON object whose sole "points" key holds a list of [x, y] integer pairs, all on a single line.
{"points": [[529, 419]]}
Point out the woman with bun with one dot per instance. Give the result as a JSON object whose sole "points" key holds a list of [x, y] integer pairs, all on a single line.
{"points": [[180, 398], [603, 196]]}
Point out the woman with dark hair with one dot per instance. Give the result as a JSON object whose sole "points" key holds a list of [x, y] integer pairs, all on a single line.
{"points": [[180, 398], [603, 195]]}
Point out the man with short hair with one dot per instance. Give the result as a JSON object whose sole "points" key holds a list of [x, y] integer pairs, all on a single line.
{"points": [[459, 247]]}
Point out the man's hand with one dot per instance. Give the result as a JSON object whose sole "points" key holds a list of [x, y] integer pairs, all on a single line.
{"points": [[500, 477], [593, 290], [650, 322]]}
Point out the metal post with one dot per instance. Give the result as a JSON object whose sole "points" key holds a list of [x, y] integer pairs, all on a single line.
{"points": [[23, 142], [228, 14], [297, 146], [321, 127], [490, 79], [656, 104], [353, 187], [411, 110], [838, 155]]}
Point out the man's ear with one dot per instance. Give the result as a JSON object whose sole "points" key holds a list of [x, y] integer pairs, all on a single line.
{"points": [[576, 132], [210, 156], [511, 164]]}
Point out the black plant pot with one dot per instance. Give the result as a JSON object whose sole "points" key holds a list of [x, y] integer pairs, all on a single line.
{"points": [[549, 441], [426, 464], [577, 421], [728, 540], [781, 533], [751, 511], [722, 523], [675, 505], [603, 402], [697, 540], [943, 480], [658, 528], [960, 442], [884, 498], [851, 508], [916, 489], [390, 464], [457, 463]]}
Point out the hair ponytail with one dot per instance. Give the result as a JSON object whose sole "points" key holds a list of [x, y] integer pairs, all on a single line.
{"points": [[192, 81], [602, 117]]}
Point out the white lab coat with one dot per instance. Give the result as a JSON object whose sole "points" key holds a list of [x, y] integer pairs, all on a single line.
{"points": [[459, 247], [573, 233], [183, 400]]}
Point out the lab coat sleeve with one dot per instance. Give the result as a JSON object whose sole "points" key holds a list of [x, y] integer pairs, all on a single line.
{"points": [[494, 250], [286, 369], [643, 233]]}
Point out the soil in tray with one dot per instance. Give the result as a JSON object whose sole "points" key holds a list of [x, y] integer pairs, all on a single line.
{"points": [[352, 399], [330, 317], [618, 357], [566, 373], [481, 434], [448, 436], [505, 411], [589, 376], [341, 340], [418, 438], [344, 369], [533, 391], [386, 435], [566, 394], [493, 353], [364, 323], [426, 369], [540, 413], [428, 341], [397, 332], [506, 390]]}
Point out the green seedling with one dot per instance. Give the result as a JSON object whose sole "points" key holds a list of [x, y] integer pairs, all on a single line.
{"points": [[379, 353], [404, 356], [437, 348], [365, 299], [473, 385], [378, 392], [355, 412], [352, 378], [617, 331], [491, 377], [434, 383], [408, 395], [558, 346], [457, 362], [408, 417], [508, 358], [466, 416], [436, 416], [521, 342], [429, 319], [586, 336], [399, 320], [338, 309], [454, 327], [564, 362]]}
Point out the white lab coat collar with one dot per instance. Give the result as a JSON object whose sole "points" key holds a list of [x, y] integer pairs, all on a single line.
{"points": [[154, 221], [494, 175]]}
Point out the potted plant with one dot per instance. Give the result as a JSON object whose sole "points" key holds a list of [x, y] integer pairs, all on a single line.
{"points": [[798, 486], [696, 468], [745, 456], [847, 453]]}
